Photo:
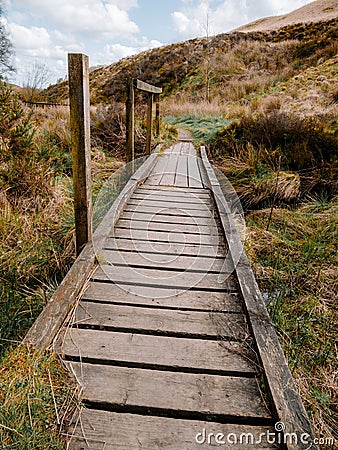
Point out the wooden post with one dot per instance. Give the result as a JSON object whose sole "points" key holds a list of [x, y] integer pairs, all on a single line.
{"points": [[130, 119], [149, 123], [78, 73], [157, 117]]}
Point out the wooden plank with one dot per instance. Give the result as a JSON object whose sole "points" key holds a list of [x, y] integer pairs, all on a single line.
{"points": [[162, 298], [162, 321], [169, 174], [153, 225], [160, 247], [130, 121], [168, 203], [171, 211], [177, 392], [181, 178], [120, 431], [155, 176], [78, 74], [280, 383], [159, 352], [155, 196], [149, 134], [162, 278], [162, 261], [167, 236], [177, 195], [178, 220], [142, 86], [173, 190], [194, 176]]}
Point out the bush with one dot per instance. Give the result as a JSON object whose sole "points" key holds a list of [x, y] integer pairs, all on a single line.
{"points": [[300, 143]]}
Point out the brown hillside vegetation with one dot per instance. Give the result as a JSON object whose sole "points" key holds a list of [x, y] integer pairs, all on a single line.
{"points": [[317, 11]]}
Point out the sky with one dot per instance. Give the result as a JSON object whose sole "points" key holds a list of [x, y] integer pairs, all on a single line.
{"points": [[44, 31]]}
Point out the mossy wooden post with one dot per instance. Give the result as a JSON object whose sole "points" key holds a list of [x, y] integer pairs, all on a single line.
{"points": [[157, 116], [78, 72], [130, 119], [149, 123]]}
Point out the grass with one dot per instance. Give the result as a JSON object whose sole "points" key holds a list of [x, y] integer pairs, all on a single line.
{"points": [[295, 263], [203, 129], [36, 401]]}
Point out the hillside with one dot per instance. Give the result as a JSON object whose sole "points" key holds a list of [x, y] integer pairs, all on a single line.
{"points": [[317, 11]]}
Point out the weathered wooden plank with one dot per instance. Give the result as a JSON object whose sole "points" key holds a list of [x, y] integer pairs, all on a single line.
{"points": [[167, 236], [161, 278], [182, 392], [157, 351], [201, 222], [161, 321], [181, 178], [169, 203], [120, 431], [194, 176], [78, 74], [174, 190], [162, 298], [168, 178], [156, 196], [149, 134], [173, 226], [155, 176], [142, 86], [162, 261], [168, 210], [162, 247]]}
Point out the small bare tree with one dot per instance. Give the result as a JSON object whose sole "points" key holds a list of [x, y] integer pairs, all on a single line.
{"points": [[37, 78]]}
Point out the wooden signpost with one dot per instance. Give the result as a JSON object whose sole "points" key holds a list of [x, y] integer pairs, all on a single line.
{"points": [[78, 72], [152, 91]]}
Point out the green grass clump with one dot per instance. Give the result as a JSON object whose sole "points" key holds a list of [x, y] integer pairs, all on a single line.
{"points": [[203, 129], [36, 400]]}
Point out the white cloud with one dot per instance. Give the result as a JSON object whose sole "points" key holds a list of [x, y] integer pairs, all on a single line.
{"points": [[96, 18]]}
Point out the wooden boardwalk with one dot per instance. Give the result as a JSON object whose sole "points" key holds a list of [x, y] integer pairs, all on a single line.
{"points": [[170, 341]]}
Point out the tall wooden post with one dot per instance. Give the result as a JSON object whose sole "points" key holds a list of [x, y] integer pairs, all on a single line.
{"points": [[130, 119], [157, 116], [78, 74], [149, 123]]}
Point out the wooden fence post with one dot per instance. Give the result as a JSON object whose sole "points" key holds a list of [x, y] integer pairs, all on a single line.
{"points": [[149, 123], [130, 120], [157, 117], [78, 74]]}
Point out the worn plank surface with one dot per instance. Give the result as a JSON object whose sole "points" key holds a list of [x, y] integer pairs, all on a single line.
{"points": [[110, 431], [208, 325], [101, 292], [178, 392], [161, 278], [161, 352], [162, 261]]}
